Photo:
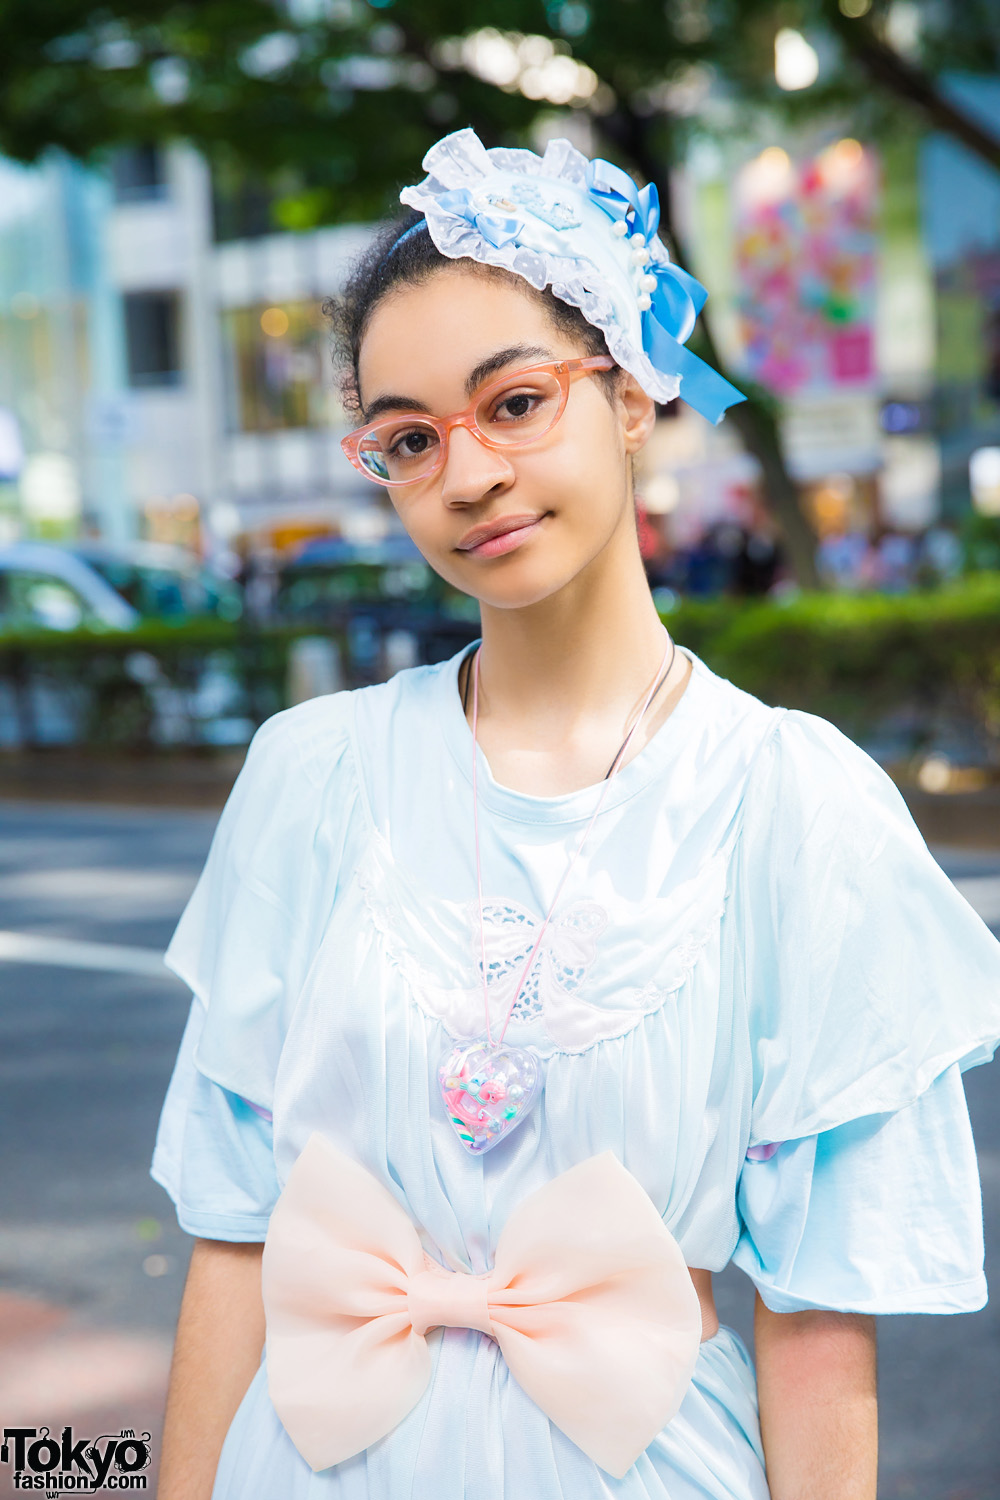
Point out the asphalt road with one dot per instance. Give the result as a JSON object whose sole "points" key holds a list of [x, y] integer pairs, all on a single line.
{"points": [[91, 1259]]}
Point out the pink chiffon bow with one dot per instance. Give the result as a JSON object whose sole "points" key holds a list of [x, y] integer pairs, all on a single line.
{"points": [[589, 1300]]}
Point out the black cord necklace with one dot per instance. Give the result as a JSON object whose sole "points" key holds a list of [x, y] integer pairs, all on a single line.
{"points": [[673, 652]]}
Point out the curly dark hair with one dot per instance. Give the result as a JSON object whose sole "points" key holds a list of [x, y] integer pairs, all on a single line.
{"points": [[398, 258]]}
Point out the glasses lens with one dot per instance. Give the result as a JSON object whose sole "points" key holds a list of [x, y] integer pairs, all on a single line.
{"points": [[521, 409], [394, 452]]}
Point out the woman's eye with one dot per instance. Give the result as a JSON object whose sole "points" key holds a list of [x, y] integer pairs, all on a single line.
{"points": [[516, 406], [411, 444]]}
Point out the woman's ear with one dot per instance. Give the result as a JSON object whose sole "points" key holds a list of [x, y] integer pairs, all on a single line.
{"points": [[638, 413]]}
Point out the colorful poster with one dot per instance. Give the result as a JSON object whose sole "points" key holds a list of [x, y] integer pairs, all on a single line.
{"points": [[806, 258]]}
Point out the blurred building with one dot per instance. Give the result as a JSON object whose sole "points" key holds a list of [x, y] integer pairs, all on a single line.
{"points": [[164, 365], [960, 198], [862, 288], [823, 294]]}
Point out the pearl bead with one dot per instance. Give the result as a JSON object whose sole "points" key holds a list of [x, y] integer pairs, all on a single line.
{"points": [[619, 229], [637, 241], [645, 302], [640, 257], [515, 1091], [647, 283]]}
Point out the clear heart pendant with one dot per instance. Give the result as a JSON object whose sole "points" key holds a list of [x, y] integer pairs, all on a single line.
{"points": [[488, 1089]]}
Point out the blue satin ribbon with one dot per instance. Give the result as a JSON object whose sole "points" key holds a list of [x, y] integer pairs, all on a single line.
{"points": [[676, 301], [496, 229], [617, 194]]}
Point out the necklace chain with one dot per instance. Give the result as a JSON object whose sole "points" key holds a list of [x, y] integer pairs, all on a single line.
{"points": [[661, 679], [615, 766]]}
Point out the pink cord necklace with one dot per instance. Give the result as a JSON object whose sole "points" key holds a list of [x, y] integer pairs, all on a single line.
{"points": [[489, 1088]]}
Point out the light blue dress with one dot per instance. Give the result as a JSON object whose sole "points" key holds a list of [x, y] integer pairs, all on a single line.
{"points": [[755, 947]]}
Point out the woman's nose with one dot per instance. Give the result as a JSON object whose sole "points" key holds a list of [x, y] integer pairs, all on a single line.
{"points": [[472, 469]]}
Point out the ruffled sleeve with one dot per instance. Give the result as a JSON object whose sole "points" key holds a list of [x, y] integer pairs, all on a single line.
{"points": [[881, 1215], [249, 931], [871, 983], [282, 846], [214, 1153], [867, 974]]}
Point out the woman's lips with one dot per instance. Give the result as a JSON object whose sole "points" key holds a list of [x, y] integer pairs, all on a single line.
{"points": [[506, 541]]}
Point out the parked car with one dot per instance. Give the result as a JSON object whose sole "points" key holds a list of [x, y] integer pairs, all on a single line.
{"points": [[102, 585], [162, 582], [113, 697], [46, 587], [383, 598]]}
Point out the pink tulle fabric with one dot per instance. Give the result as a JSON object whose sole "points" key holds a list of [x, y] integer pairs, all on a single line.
{"points": [[589, 1299]]}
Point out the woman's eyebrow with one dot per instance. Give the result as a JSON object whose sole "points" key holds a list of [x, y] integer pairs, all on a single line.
{"points": [[494, 363], [393, 403], [491, 365]]}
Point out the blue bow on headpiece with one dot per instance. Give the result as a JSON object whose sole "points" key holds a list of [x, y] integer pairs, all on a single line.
{"points": [[497, 229], [649, 306], [676, 300]]}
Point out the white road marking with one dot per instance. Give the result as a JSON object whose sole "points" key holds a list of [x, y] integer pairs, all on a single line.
{"points": [[93, 884], [74, 953]]}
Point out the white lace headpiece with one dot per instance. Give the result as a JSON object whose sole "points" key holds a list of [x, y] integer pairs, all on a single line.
{"points": [[585, 229]]}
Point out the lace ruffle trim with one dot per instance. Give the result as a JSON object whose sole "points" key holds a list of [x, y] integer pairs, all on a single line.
{"points": [[461, 161], [552, 1006]]}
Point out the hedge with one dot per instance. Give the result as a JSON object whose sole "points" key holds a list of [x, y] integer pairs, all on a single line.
{"points": [[114, 682], [859, 659], [925, 657]]}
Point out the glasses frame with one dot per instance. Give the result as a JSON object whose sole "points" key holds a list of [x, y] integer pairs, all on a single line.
{"points": [[562, 369]]}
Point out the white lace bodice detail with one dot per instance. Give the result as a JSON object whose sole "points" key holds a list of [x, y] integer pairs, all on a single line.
{"points": [[566, 952], [597, 972]]}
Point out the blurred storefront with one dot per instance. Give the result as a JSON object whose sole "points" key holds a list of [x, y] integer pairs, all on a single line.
{"points": [[961, 219], [60, 351], [861, 288], [158, 377]]}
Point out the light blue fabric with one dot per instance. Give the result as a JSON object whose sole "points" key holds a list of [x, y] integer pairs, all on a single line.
{"points": [[868, 973], [214, 1153], [755, 946], [880, 1215]]}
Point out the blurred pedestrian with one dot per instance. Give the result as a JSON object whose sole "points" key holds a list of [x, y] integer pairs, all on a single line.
{"points": [[939, 558], [843, 559], [895, 561], [260, 583]]}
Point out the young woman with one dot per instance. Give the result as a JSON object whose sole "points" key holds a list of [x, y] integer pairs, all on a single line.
{"points": [[532, 988]]}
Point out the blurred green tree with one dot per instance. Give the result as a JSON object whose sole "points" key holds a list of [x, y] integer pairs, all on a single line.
{"points": [[335, 101]]}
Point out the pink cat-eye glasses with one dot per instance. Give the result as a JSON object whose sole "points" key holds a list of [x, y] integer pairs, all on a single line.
{"points": [[517, 409]]}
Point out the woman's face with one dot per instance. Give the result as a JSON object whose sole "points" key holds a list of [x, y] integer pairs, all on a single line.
{"points": [[432, 347]]}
